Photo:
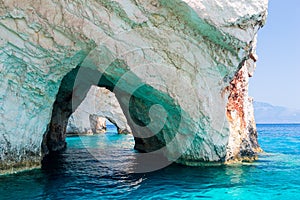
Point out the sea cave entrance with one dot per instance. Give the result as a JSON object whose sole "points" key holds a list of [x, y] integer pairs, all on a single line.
{"points": [[137, 104], [99, 108], [81, 105]]}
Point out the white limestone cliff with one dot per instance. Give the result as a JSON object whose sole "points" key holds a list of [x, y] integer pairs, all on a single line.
{"points": [[89, 118], [179, 69], [85, 125]]}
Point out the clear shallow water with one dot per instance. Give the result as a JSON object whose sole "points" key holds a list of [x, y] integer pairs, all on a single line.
{"points": [[76, 174]]}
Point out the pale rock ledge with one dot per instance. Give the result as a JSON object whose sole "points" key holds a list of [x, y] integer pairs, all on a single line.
{"points": [[179, 69]]}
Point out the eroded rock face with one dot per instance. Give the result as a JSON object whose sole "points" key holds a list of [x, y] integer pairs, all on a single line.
{"points": [[93, 124], [179, 70], [97, 124], [243, 144], [89, 118]]}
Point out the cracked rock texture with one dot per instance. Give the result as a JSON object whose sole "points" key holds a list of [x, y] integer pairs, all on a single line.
{"points": [[90, 116], [179, 69]]}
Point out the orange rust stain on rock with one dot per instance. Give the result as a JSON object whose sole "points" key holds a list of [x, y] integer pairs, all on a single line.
{"points": [[236, 99]]}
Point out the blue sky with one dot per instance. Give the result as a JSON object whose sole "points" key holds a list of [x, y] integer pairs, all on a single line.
{"points": [[277, 76]]}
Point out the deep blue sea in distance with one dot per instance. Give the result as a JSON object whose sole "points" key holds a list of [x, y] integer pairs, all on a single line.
{"points": [[76, 174]]}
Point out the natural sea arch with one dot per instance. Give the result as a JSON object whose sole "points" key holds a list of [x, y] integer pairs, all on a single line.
{"points": [[137, 100], [201, 58], [89, 117]]}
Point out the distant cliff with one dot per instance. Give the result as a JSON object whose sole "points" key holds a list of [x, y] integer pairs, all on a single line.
{"points": [[267, 113], [99, 104]]}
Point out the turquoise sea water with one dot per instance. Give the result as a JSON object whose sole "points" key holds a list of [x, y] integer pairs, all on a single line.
{"points": [[76, 174]]}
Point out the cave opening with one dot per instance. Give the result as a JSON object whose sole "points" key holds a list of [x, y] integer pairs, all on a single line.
{"points": [[152, 116], [86, 115], [84, 105], [99, 108]]}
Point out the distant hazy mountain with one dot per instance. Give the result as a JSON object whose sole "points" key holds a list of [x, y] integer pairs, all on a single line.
{"points": [[267, 113]]}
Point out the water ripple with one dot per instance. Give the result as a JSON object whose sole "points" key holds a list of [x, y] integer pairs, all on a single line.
{"points": [[100, 167]]}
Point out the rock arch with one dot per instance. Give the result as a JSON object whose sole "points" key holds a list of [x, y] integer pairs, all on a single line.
{"points": [[173, 65], [136, 106], [99, 104]]}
